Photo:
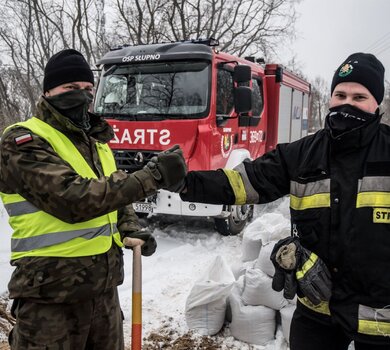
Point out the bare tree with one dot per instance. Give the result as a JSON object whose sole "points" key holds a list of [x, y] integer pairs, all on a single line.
{"points": [[241, 26], [38, 29], [12, 107], [319, 103]]}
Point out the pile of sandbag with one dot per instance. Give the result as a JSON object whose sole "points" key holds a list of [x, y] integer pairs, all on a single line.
{"points": [[205, 308], [255, 310]]}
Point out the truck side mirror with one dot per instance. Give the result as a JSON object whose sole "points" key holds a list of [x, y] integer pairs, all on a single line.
{"points": [[242, 74], [242, 99]]}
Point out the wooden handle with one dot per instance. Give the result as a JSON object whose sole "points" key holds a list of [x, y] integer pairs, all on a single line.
{"points": [[136, 329]]}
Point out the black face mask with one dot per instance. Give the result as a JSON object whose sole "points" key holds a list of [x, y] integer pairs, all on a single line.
{"points": [[74, 105], [346, 117]]}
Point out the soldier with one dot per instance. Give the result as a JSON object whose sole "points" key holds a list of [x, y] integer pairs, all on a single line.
{"points": [[70, 209], [339, 185]]}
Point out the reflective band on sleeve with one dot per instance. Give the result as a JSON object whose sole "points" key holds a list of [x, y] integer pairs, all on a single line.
{"points": [[237, 185], [373, 199], [20, 208], [320, 200], [322, 307], [48, 239], [307, 266], [303, 190], [252, 196], [374, 321]]}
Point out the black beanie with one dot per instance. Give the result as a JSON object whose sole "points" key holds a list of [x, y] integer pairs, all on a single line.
{"points": [[64, 67], [365, 69]]}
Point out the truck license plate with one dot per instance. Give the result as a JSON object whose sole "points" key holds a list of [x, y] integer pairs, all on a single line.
{"points": [[143, 207]]}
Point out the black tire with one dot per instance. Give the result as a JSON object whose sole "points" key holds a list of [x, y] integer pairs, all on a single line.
{"points": [[232, 225]]}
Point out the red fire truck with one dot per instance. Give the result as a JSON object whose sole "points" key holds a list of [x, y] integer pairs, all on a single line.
{"points": [[221, 109]]}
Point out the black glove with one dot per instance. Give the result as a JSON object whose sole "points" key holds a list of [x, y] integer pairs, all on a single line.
{"points": [[169, 169], [284, 278], [297, 270], [314, 278], [150, 245]]}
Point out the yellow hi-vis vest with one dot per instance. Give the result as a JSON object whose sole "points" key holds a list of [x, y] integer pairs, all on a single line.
{"points": [[37, 233]]}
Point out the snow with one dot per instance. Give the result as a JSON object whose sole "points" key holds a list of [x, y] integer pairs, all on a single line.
{"points": [[186, 248]]}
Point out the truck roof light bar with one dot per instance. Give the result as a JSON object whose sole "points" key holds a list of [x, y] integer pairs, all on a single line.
{"points": [[250, 58], [204, 41], [208, 42]]}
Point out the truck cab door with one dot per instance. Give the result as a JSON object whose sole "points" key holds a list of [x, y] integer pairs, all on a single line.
{"points": [[226, 126], [252, 126]]}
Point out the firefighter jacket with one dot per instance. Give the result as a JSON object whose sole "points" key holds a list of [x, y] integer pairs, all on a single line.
{"points": [[339, 191], [59, 172]]}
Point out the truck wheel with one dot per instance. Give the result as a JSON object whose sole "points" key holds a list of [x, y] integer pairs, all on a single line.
{"points": [[235, 222]]}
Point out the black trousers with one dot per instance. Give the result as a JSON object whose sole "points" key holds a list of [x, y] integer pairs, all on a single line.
{"points": [[307, 334]]}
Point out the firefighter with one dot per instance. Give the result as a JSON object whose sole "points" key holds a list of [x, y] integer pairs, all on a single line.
{"points": [[339, 185], [70, 209]]}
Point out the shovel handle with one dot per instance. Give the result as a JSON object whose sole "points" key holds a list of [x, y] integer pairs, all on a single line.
{"points": [[136, 328]]}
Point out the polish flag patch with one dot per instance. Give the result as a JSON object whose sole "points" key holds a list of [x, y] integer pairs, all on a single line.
{"points": [[23, 139]]}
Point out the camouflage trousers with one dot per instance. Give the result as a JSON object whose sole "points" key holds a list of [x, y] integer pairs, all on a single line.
{"points": [[96, 324]]}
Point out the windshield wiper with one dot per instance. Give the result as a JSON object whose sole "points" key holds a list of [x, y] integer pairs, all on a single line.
{"points": [[118, 116]]}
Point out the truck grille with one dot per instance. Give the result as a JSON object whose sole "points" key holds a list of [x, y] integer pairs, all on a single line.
{"points": [[131, 161]]}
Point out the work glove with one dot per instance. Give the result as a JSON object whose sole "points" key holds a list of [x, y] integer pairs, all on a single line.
{"points": [[169, 169], [143, 237], [299, 271]]}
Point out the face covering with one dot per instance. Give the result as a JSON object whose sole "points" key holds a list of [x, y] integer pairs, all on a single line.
{"points": [[74, 105], [347, 117]]}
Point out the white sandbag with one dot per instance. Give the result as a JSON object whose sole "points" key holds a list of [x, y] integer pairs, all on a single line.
{"points": [[239, 268], [258, 290], [206, 304], [268, 227], [251, 324], [239, 285], [250, 246], [263, 261], [286, 315]]}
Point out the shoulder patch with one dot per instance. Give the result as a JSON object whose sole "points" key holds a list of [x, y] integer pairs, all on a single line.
{"points": [[23, 139]]}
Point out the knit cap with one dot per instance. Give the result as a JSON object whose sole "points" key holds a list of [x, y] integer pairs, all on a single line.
{"points": [[365, 69], [64, 67]]}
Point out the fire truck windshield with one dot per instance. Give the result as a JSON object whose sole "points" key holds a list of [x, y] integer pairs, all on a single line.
{"points": [[145, 91]]}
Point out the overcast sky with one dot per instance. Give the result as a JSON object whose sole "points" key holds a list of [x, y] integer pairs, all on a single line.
{"points": [[330, 30]]}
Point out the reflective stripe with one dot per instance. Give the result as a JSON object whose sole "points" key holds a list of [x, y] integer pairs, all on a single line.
{"points": [[374, 184], [307, 266], [12, 198], [237, 185], [320, 200], [322, 307], [373, 199], [252, 196], [20, 208], [48, 239], [374, 321], [311, 188], [373, 191]]}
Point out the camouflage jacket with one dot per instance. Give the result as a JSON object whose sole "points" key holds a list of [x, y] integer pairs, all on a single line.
{"points": [[35, 171]]}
